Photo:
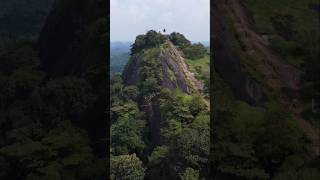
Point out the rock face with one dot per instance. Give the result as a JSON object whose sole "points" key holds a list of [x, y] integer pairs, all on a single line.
{"points": [[175, 73], [68, 40], [227, 63]]}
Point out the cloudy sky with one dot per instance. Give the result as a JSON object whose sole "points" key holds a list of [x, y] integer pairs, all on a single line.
{"points": [[130, 18]]}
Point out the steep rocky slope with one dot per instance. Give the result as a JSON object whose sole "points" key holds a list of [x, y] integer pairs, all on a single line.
{"points": [[172, 73], [237, 44], [174, 70], [158, 107], [262, 52], [227, 61]]}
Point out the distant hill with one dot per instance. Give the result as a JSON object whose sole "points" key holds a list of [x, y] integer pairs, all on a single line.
{"points": [[119, 56], [205, 43], [120, 46]]}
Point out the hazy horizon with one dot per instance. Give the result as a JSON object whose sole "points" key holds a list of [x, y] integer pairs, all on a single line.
{"points": [[129, 18]]}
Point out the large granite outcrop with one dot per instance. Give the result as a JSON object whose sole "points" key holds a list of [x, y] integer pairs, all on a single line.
{"points": [[175, 73]]}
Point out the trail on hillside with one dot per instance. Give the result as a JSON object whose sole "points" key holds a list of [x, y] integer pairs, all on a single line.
{"points": [[196, 84], [278, 73]]}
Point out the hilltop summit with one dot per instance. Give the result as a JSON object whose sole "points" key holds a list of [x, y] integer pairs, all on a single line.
{"points": [[159, 61]]}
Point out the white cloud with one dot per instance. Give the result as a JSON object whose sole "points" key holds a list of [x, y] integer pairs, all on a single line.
{"points": [[132, 17]]}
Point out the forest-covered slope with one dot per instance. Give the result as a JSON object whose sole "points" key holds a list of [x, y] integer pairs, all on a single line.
{"points": [[265, 85], [52, 128], [160, 117]]}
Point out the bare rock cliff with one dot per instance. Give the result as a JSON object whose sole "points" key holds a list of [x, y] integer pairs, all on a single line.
{"points": [[174, 70]]}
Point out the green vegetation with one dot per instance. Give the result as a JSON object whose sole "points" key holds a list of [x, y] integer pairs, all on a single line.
{"points": [[166, 130], [126, 167], [191, 51], [149, 40], [194, 51], [42, 137], [293, 30], [48, 125], [200, 67], [255, 142], [150, 73], [184, 133], [153, 39], [264, 141], [179, 40], [299, 15]]}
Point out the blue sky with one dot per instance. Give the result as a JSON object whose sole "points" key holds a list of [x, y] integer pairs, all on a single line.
{"points": [[129, 18]]}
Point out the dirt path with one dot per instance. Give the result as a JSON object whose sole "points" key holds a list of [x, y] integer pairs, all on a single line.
{"points": [[278, 73]]}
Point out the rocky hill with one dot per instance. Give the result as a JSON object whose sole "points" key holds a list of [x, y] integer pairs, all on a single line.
{"points": [[173, 70], [162, 97], [158, 67]]}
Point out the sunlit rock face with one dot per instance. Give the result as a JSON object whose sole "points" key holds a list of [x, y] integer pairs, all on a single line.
{"points": [[174, 70]]}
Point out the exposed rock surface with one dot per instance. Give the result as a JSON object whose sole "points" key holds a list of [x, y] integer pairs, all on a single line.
{"points": [[175, 72], [278, 73], [227, 62]]}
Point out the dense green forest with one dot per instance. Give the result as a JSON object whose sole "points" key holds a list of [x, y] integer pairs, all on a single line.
{"points": [[182, 149], [47, 123], [260, 132]]}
